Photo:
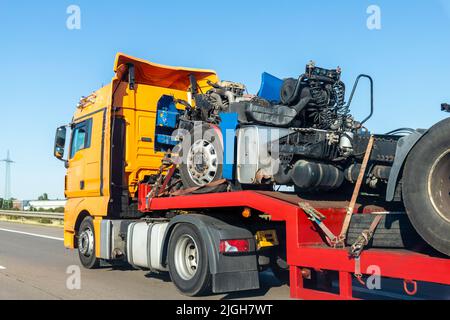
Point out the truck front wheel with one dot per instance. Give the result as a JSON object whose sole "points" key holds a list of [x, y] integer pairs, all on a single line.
{"points": [[426, 187], [188, 261], [202, 156], [86, 244]]}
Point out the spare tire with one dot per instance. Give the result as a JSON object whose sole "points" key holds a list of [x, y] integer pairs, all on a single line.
{"points": [[426, 186]]}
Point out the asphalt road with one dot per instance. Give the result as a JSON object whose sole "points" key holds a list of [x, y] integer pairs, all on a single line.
{"points": [[34, 266]]}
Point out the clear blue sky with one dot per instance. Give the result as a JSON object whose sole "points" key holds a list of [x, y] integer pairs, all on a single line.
{"points": [[46, 67]]}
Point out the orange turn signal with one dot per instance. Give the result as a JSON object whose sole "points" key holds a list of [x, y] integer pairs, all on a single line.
{"points": [[247, 213]]}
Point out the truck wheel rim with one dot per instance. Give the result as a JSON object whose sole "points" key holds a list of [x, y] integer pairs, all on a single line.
{"points": [[186, 257], [439, 185], [86, 242], [202, 162]]}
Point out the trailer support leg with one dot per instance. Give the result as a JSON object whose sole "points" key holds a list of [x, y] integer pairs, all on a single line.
{"points": [[345, 285], [296, 281]]}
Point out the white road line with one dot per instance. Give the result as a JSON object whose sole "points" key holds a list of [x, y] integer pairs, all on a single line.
{"points": [[32, 234], [2, 268]]}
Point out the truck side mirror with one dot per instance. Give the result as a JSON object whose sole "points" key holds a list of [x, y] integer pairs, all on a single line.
{"points": [[60, 142]]}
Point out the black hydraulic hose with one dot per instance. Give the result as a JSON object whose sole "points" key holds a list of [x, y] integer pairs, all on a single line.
{"points": [[347, 107], [401, 130], [301, 104], [296, 92]]}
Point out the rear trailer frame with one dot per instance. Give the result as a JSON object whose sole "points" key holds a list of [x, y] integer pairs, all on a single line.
{"points": [[306, 247]]}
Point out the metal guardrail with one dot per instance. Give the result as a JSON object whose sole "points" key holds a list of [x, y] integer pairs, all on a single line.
{"points": [[31, 214]]}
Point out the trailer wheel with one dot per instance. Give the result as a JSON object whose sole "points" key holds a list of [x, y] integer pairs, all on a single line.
{"points": [[202, 156], [86, 244], [188, 261], [280, 270], [426, 187]]}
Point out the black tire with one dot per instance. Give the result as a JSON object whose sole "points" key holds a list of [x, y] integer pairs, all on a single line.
{"points": [[208, 134], [86, 251], [280, 269], [426, 186], [393, 231], [198, 283]]}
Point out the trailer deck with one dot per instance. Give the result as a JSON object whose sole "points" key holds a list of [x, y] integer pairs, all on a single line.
{"points": [[305, 243]]}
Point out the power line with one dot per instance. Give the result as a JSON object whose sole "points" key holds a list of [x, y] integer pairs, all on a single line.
{"points": [[8, 163]]}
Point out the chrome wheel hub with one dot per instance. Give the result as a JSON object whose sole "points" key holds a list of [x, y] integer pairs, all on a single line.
{"points": [[86, 242], [202, 162], [186, 257], [439, 185]]}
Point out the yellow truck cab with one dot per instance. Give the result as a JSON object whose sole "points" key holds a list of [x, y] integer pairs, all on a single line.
{"points": [[113, 145], [118, 138]]}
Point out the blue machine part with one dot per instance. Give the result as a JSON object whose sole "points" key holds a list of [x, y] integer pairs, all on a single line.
{"points": [[167, 113], [163, 139], [166, 122], [228, 127], [270, 87]]}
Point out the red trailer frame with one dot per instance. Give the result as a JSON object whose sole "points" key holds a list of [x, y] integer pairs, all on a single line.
{"points": [[305, 245]]}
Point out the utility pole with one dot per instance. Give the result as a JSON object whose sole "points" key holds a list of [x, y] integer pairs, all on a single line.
{"points": [[8, 163]]}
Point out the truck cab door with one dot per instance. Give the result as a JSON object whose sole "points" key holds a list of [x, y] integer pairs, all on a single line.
{"points": [[83, 172]]}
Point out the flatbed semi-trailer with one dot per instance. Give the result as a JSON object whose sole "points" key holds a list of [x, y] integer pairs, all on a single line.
{"points": [[211, 222], [306, 250]]}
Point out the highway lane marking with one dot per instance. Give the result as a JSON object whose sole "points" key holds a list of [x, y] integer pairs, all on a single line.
{"points": [[2, 268], [32, 234]]}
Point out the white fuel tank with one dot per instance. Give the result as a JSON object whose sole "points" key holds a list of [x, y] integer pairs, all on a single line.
{"points": [[144, 244]]}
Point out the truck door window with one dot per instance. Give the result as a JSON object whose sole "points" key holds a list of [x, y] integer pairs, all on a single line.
{"points": [[81, 137]]}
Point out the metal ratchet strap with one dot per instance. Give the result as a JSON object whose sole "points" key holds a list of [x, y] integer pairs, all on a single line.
{"points": [[167, 178], [365, 237], [358, 273], [362, 241], [184, 192], [316, 217], [355, 195], [156, 190]]}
